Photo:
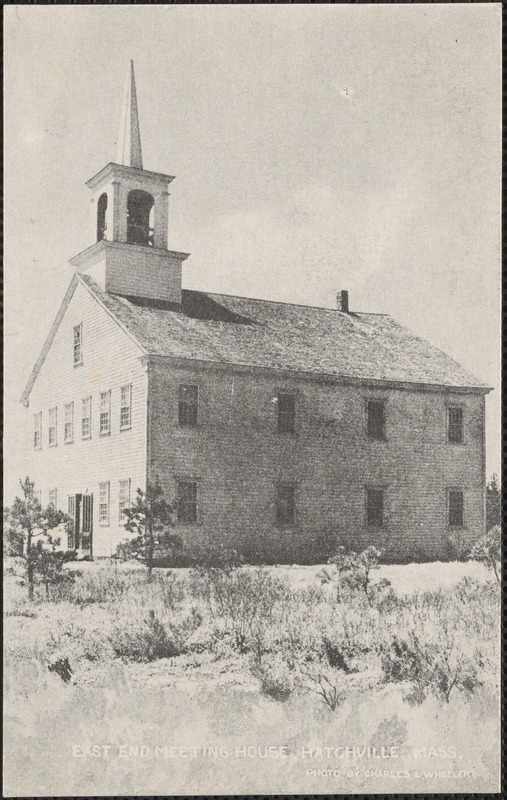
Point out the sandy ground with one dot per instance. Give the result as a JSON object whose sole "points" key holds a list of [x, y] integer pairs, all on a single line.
{"points": [[197, 724], [405, 578]]}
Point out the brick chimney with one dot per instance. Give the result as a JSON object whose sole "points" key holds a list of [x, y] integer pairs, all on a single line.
{"points": [[342, 301]]}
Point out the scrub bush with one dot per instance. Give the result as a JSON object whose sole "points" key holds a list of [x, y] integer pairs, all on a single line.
{"points": [[149, 639]]}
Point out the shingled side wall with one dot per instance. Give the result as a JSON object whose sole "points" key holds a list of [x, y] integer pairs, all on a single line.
{"points": [[237, 457]]}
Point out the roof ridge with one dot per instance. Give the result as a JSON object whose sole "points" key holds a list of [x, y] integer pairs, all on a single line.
{"points": [[284, 303]]}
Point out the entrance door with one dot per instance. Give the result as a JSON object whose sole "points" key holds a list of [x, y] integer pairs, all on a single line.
{"points": [[86, 524], [81, 511]]}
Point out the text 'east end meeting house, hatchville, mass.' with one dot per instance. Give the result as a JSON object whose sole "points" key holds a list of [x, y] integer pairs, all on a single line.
{"points": [[283, 430]]}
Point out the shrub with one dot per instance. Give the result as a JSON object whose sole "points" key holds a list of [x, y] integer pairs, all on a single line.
{"points": [[335, 655], [149, 639], [219, 557], [239, 601], [326, 683], [493, 503], [457, 548], [276, 678], [488, 550], [100, 586], [431, 666], [353, 574]]}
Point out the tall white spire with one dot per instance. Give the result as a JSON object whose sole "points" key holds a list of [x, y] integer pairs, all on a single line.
{"points": [[129, 139]]}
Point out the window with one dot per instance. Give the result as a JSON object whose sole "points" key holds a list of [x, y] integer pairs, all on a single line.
{"points": [[455, 508], [124, 500], [69, 423], [78, 344], [86, 418], [285, 505], [187, 501], [375, 419], [71, 510], [125, 406], [286, 413], [52, 497], [104, 503], [455, 424], [52, 427], [105, 413], [375, 508], [37, 495], [187, 407], [37, 431]]}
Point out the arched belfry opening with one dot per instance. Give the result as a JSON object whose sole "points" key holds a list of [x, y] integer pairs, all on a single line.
{"points": [[101, 217], [140, 218]]}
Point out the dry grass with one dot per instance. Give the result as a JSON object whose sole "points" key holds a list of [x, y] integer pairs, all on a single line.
{"points": [[290, 638]]}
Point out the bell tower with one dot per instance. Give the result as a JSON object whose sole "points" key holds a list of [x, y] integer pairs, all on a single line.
{"points": [[129, 213]]}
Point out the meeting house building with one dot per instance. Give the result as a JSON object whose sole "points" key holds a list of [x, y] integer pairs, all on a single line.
{"points": [[282, 430]]}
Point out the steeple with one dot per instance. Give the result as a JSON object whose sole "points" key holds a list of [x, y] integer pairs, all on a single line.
{"points": [[129, 215], [129, 150]]}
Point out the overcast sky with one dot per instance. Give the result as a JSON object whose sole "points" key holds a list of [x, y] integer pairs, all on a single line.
{"points": [[315, 148]]}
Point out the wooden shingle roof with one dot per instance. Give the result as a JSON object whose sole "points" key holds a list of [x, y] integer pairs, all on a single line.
{"points": [[261, 333]]}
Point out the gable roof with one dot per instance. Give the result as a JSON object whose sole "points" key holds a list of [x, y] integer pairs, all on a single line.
{"points": [[96, 292], [262, 333]]}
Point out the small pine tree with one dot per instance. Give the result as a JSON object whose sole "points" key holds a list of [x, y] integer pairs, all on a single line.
{"points": [[151, 518], [25, 521], [493, 503]]}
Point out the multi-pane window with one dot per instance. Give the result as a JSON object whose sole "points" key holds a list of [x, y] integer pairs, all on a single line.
{"points": [[86, 418], [286, 411], [374, 508], [69, 423], [455, 424], [105, 413], [37, 495], [285, 504], [187, 501], [455, 508], [71, 510], [187, 406], [104, 503], [78, 344], [124, 500], [126, 406], [52, 497], [37, 430], [52, 427], [375, 415]]}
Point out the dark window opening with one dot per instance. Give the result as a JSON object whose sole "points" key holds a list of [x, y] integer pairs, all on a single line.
{"points": [[187, 501], [456, 508], [71, 509], [140, 218], [101, 217], [285, 505], [455, 425], [286, 413], [187, 406], [376, 419], [374, 508], [87, 514]]}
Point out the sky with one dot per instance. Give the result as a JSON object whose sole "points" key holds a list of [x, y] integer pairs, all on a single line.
{"points": [[315, 148]]}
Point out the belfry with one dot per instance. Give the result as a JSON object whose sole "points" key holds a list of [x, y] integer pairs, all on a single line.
{"points": [[130, 207]]}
